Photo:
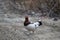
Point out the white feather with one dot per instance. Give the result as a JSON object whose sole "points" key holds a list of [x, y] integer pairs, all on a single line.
{"points": [[32, 27]]}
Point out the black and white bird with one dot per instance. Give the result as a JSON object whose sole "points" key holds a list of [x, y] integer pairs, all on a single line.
{"points": [[31, 26]]}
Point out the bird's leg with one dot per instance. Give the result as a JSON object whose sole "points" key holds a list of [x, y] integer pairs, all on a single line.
{"points": [[33, 31]]}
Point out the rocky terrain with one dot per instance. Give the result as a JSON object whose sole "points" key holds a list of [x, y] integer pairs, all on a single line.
{"points": [[12, 28]]}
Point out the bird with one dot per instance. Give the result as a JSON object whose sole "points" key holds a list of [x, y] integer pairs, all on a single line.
{"points": [[31, 26]]}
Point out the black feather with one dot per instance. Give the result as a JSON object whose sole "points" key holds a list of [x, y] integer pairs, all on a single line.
{"points": [[40, 23]]}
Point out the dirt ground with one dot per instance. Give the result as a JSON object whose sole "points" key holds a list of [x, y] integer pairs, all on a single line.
{"points": [[13, 29]]}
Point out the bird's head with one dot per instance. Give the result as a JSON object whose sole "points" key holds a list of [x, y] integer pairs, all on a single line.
{"points": [[26, 22], [26, 18]]}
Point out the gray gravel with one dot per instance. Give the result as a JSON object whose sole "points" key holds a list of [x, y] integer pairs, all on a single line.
{"points": [[15, 31], [11, 26]]}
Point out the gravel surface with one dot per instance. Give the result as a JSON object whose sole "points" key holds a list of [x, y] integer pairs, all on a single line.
{"points": [[11, 26], [14, 30]]}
